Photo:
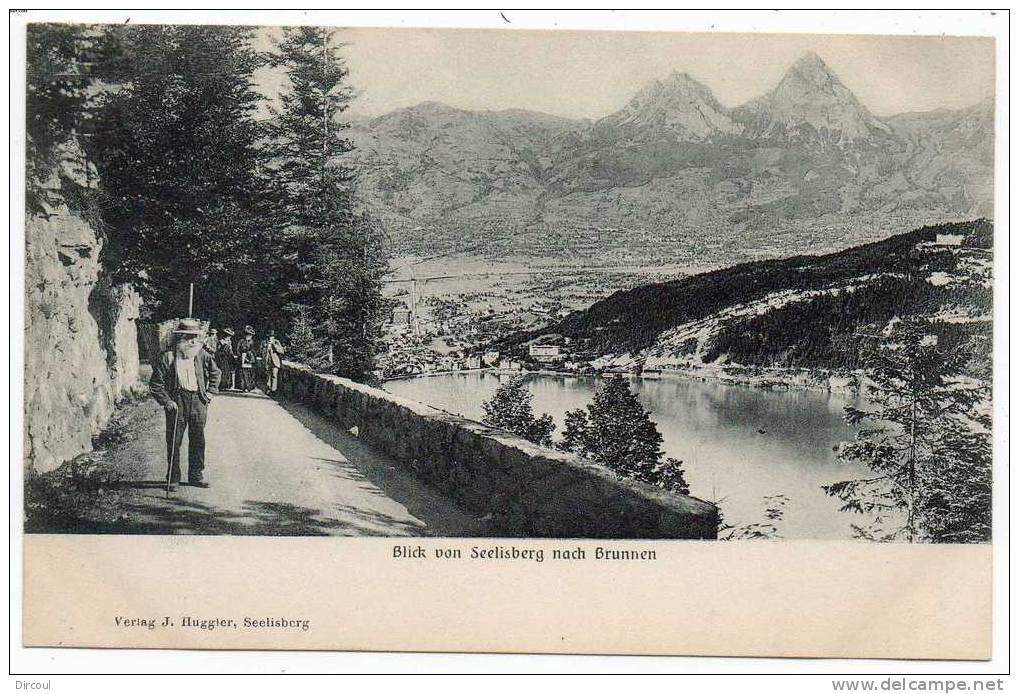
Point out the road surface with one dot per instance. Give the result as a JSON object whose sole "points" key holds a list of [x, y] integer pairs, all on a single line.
{"points": [[277, 468]]}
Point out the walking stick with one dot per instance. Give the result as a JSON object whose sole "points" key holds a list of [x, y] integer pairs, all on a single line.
{"points": [[173, 447]]}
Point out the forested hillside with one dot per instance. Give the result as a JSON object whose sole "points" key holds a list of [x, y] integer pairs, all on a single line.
{"points": [[805, 311]]}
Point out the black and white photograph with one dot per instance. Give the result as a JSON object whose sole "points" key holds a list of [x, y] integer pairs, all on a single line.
{"points": [[490, 341], [316, 281]]}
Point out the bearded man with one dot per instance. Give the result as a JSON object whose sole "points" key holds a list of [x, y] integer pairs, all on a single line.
{"points": [[183, 382]]}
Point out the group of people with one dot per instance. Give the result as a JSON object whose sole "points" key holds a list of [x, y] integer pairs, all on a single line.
{"points": [[185, 379], [244, 360]]}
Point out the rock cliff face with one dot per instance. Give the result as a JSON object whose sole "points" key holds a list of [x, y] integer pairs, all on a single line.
{"points": [[81, 351]]}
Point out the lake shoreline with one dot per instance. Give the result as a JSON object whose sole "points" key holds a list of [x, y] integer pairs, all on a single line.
{"points": [[738, 445], [763, 378]]}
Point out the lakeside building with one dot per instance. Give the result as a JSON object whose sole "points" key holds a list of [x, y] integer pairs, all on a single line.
{"points": [[401, 316], [544, 353]]}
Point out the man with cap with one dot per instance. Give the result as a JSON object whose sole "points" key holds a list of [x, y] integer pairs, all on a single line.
{"points": [[183, 382], [226, 358], [246, 357], [212, 342], [274, 350]]}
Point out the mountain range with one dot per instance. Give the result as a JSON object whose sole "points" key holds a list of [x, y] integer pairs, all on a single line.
{"points": [[674, 177]]}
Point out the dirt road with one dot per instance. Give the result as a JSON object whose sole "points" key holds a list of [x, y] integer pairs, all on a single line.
{"points": [[277, 469]]}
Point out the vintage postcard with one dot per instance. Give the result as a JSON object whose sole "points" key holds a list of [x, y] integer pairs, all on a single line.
{"points": [[508, 340]]}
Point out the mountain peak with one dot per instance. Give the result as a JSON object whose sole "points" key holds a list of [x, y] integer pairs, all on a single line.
{"points": [[810, 60], [682, 83], [811, 72], [677, 77], [811, 98], [678, 106]]}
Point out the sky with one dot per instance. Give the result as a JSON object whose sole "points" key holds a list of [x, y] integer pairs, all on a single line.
{"points": [[591, 74]]}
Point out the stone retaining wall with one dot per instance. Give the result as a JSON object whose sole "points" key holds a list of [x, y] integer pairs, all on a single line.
{"points": [[525, 490]]}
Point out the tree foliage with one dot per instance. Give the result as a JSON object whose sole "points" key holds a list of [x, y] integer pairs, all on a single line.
{"points": [[196, 185], [510, 408], [336, 258], [178, 153], [820, 332], [307, 131], [926, 437], [303, 343], [55, 97], [617, 432]]}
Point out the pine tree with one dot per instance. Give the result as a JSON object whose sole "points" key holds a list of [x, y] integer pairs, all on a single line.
{"points": [[352, 272], [308, 145], [617, 432], [957, 507], [574, 432], [334, 259], [926, 436], [178, 153], [510, 408], [304, 345]]}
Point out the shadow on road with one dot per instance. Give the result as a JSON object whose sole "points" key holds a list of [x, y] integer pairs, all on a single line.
{"points": [[182, 516], [254, 394], [134, 502], [139, 484], [438, 512]]}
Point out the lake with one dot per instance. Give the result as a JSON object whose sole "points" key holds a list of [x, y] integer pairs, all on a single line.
{"points": [[738, 444]]}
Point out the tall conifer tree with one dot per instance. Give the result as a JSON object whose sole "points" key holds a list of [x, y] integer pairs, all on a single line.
{"points": [[334, 258], [926, 436]]}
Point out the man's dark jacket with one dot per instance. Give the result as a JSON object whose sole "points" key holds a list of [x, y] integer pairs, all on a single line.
{"points": [[163, 384]]}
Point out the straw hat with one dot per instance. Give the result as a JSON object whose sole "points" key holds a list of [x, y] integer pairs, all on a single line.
{"points": [[248, 330], [188, 326]]}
